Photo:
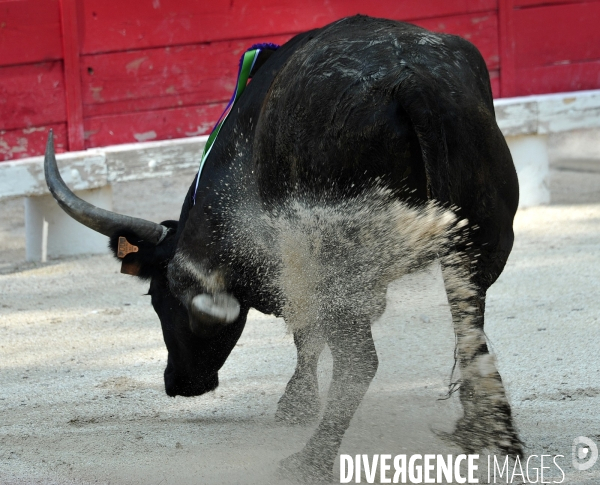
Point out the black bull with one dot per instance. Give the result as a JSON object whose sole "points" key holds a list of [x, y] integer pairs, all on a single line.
{"points": [[331, 114]]}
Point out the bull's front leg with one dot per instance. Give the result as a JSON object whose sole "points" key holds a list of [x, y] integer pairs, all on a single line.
{"points": [[354, 366], [300, 402], [487, 420]]}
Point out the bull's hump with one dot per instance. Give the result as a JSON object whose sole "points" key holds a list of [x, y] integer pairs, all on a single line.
{"points": [[363, 42], [358, 55]]}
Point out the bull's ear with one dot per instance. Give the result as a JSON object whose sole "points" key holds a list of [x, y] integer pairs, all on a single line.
{"points": [[137, 256], [124, 247], [141, 258]]}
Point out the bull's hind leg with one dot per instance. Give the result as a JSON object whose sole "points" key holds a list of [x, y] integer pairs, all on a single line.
{"points": [[354, 366], [487, 420], [300, 402]]}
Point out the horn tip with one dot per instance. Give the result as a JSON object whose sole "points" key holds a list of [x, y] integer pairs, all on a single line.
{"points": [[50, 142]]}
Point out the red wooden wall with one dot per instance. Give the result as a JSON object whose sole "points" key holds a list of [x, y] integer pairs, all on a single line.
{"points": [[102, 72]]}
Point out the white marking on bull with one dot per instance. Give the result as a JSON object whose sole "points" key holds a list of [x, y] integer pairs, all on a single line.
{"points": [[211, 281]]}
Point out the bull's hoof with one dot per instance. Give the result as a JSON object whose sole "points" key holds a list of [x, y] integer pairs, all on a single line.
{"points": [[475, 435], [188, 387], [220, 308], [300, 404], [304, 467]]}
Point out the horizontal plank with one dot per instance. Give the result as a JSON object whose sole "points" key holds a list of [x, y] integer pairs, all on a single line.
{"points": [[32, 95], [80, 171], [141, 105], [29, 142], [553, 34], [548, 113], [151, 125], [90, 169], [517, 116], [481, 29], [569, 111], [112, 25], [138, 161], [29, 31], [159, 78], [559, 78]]}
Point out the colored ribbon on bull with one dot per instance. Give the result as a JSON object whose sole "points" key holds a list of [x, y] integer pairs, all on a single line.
{"points": [[247, 62]]}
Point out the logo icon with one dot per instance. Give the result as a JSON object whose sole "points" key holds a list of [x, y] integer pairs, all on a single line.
{"points": [[585, 453]]}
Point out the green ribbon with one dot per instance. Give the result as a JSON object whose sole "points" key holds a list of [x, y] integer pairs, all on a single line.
{"points": [[247, 62]]}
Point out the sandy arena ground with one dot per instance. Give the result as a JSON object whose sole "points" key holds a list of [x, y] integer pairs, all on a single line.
{"points": [[82, 357]]}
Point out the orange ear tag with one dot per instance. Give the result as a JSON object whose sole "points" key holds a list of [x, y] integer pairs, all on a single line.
{"points": [[125, 247]]}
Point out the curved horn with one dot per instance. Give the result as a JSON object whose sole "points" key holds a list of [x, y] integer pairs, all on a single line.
{"points": [[100, 220]]}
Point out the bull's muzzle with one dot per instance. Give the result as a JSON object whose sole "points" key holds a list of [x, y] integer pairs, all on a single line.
{"points": [[210, 313]]}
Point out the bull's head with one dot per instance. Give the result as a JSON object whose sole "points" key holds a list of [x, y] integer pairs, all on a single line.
{"points": [[195, 352]]}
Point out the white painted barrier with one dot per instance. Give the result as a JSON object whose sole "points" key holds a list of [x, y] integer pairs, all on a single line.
{"points": [[49, 232], [525, 122]]}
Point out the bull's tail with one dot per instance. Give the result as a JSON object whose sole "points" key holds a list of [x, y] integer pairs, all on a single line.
{"points": [[418, 97]]}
